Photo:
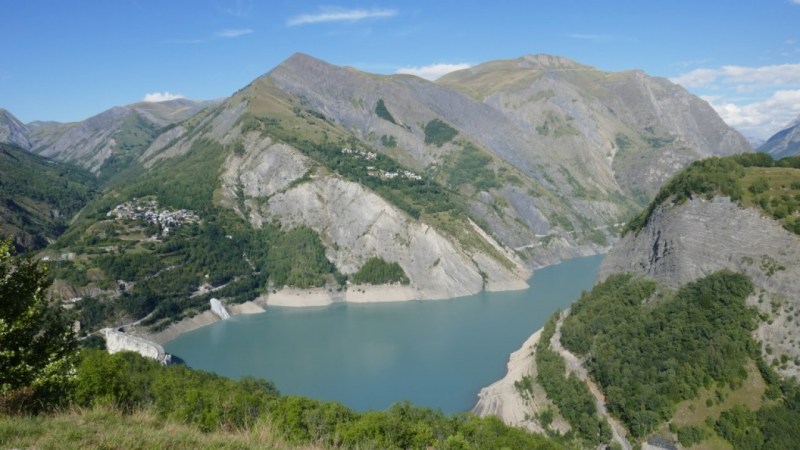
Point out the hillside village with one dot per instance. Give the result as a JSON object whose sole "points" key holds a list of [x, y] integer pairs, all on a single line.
{"points": [[148, 210], [374, 172]]}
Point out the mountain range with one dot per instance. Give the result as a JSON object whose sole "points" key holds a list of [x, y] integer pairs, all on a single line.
{"points": [[467, 183]]}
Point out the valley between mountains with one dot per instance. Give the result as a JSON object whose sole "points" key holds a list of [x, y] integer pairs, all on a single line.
{"points": [[317, 184], [444, 189]]}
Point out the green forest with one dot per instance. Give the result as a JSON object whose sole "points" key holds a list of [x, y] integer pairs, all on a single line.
{"points": [[650, 348]]}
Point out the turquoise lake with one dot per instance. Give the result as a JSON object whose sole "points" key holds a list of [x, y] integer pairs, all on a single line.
{"points": [[367, 356]]}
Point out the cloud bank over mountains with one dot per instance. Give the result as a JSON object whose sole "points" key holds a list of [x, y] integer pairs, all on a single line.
{"points": [[758, 101]]}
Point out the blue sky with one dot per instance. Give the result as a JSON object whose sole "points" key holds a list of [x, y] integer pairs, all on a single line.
{"points": [[66, 61]]}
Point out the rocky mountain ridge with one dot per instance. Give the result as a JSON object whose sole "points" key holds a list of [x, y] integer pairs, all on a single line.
{"points": [[723, 227], [785, 142], [112, 134]]}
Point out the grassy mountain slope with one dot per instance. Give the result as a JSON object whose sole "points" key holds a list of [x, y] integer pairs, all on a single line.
{"points": [[690, 335], [38, 197], [738, 215]]}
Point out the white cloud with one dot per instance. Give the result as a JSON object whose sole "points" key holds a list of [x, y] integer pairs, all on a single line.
{"points": [[232, 33], [780, 74], [796, 2], [160, 97], [433, 71], [341, 15], [761, 118]]}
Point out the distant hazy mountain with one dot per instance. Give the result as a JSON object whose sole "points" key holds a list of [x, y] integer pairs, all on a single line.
{"points": [[108, 142], [785, 142], [12, 131]]}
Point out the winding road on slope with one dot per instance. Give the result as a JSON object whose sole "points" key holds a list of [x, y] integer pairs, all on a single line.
{"points": [[574, 365]]}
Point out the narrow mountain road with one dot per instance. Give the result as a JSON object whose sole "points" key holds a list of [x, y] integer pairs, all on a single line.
{"points": [[574, 365]]}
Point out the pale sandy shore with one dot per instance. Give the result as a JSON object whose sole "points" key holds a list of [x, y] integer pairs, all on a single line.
{"points": [[355, 293], [200, 320], [291, 297], [504, 400]]}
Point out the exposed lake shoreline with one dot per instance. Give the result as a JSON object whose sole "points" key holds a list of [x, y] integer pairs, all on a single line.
{"points": [[305, 298]]}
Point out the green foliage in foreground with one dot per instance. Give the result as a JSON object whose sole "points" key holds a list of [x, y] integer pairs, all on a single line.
{"points": [[175, 393], [439, 133], [573, 398], [649, 357], [36, 343], [106, 427], [378, 271]]}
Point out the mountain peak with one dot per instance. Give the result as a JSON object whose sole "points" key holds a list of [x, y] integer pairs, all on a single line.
{"points": [[300, 61], [541, 61]]}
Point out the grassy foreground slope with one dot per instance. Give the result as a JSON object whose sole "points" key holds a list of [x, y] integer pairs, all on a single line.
{"points": [[117, 398], [108, 427]]}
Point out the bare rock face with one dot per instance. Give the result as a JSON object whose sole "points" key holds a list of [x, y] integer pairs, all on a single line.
{"points": [[273, 181], [360, 224], [683, 243]]}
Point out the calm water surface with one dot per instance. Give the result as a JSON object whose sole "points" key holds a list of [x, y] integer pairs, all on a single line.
{"points": [[368, 356]]}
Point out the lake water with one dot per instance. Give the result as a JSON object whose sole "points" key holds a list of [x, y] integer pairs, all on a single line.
{"points": [[367, 356]]}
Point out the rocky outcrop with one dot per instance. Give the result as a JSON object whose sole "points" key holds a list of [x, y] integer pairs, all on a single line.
{"points": [[117, 341], [682, 243]]}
